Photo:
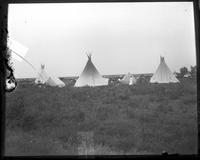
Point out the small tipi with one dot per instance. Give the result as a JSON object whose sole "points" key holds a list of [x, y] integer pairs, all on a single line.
{"points": [[44, 78], [128, 79], [163, 74], [90, 76], [187, 75]]}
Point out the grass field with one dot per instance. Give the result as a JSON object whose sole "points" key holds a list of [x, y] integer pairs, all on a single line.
{"points": [[141, 119]]}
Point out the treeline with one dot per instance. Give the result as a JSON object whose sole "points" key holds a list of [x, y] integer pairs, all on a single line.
{"points": [[185, 72]]}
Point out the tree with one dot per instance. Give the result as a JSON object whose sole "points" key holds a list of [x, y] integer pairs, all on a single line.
{"points": [[193, 71], [183, 71]]}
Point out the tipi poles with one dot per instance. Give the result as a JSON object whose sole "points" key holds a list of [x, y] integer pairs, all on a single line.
{"points": [[27, 62]]}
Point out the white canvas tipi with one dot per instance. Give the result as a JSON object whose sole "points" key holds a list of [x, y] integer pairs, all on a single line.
{"points": [[163, 74], [90, 76], [128, 79], [44, 78]]}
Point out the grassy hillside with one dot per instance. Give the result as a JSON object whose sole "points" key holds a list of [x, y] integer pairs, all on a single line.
{"points": [[141, 119]]}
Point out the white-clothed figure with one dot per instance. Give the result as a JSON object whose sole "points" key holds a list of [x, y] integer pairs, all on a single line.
{"points": [[131, 81], [128, 79]]}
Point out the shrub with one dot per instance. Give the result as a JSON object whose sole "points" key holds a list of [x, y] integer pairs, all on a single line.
{"points": [[16, 111], [147, 117], [75, 116], [131, 114], [29, 123], [23, 144], [140, 101], [124, 97], [107, 112], [80, 96], [190, 99]]}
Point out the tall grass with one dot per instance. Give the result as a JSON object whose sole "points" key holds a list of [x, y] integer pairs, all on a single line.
{"points": [[140, 119]]}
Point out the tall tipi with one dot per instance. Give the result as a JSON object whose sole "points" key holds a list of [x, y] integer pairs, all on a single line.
{"points": [[90, 76], [44, 78], [163, 74], [128, 79]]}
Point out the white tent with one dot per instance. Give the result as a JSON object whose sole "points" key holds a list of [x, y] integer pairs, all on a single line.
{"points": [[90, 76], [163, 74], [128, 79], [54, 81], [44, 78], [187, 75]]}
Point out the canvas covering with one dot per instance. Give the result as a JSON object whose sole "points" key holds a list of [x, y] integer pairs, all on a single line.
{"points": [[163, 74], [54, 81], [44, 78], [90, 76]]}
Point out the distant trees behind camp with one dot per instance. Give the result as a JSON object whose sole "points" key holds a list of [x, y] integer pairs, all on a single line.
{"points": [[193, 71], [185, 71]]}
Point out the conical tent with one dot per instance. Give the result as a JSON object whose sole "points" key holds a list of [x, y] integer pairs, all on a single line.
{"points": [[44, 78], [90, 76], [163, 74], [54, 81], [128, 79]]}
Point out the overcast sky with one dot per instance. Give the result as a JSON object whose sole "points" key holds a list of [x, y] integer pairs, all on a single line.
{"points": [[123, 37]]}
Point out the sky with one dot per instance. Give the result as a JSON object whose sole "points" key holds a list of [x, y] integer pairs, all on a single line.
{"points": [[122, 37]]}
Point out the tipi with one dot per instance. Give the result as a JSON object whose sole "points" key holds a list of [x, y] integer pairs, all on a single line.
{"points": [[90, 76], [187, 75], [128, 79], [44, 78], [163, 74]]}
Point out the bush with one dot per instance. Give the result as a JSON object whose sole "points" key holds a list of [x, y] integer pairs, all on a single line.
{"points": [[80, 96], [23, 144], [75, 116], [190, 99], [143, 118], [29, 123], [16, 110], [15, 113]]}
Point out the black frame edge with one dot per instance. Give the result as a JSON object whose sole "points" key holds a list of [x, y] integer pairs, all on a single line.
{"points": [[3, 35]]}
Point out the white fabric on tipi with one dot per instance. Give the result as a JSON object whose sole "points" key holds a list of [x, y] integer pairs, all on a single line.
{"points": [[17, 48], [44, 78], [128, 79], [54, 81], [163, 74], [90, 76]]}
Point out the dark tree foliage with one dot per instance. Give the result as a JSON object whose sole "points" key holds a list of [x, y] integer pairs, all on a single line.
{"points": [[183, 71], [193, 70]]}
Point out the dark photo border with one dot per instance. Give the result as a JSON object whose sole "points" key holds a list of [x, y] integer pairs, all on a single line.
{"points": [[3, 66]]}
